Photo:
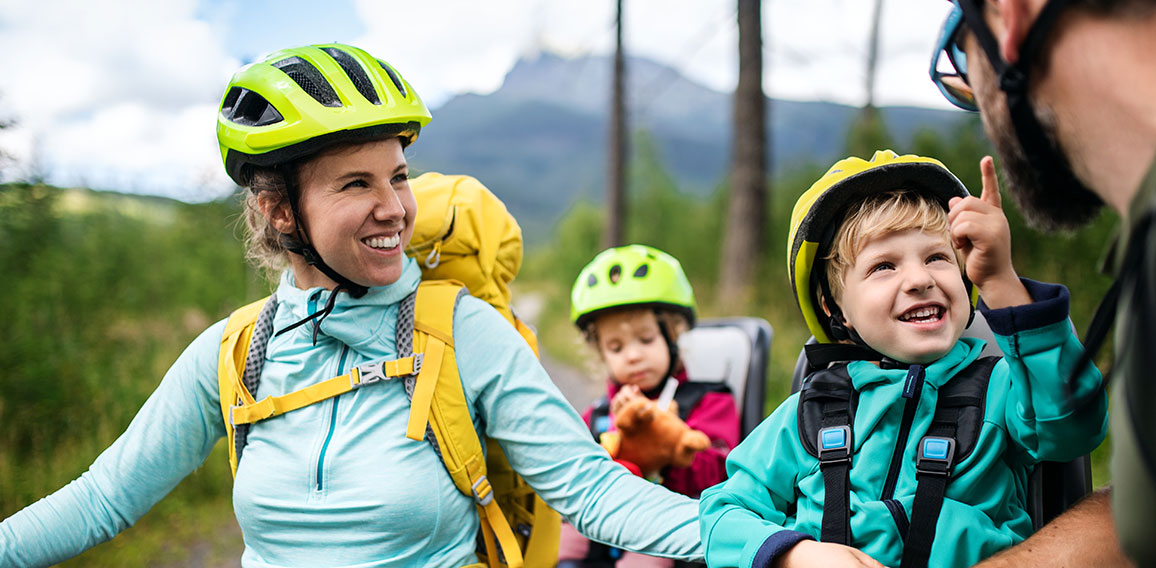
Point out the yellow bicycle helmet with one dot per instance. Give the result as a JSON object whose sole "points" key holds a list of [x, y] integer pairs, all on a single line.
{"points": [[821, 209], [297, 101], [631, 275]]}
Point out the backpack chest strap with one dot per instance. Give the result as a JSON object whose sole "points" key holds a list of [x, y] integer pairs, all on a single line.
{"points": [[357, 377]]}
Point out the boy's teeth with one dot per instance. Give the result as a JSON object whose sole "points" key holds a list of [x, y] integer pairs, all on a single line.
{"points": [[921, 313], [384, 242]]}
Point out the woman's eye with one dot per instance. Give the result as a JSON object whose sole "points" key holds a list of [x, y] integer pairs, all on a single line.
{"points": [[355, 183], [399, 178]]}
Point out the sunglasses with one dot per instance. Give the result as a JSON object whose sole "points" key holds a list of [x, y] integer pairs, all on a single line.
{"points": [[949, 62]]}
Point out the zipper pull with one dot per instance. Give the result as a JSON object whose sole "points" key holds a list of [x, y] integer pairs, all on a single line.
{"points": [[913, 381]]}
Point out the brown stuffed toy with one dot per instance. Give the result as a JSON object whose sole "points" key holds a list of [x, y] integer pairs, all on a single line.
{"points": [[653, 439]]}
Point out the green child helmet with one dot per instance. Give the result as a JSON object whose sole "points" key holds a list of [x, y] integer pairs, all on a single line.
{"points": [[297, 101], [631, 275]]}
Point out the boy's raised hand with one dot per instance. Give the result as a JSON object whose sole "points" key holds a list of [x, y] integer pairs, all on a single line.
{"points": [[979, 229]]}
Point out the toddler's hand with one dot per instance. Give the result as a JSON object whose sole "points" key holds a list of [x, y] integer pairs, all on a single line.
{"points": [[979, 229], [624, 395], [813, 553]]}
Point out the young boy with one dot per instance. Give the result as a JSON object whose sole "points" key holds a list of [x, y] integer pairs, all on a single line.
{"points": [[878, 255], [632, 303]]}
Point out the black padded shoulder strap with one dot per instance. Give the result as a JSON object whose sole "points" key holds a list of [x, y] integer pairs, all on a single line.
{"points": [[601, 411], [690, 393], [825, 399], [962, 401], [827, 403]]}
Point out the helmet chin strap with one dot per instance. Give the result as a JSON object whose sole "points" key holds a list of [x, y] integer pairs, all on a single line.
{"points": [[300, 245]]}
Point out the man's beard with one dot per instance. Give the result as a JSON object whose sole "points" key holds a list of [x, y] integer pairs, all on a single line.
{"points": [[1045, 208]]}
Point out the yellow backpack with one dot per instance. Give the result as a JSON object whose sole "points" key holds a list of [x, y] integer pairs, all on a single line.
{"points": [[463, 235]]}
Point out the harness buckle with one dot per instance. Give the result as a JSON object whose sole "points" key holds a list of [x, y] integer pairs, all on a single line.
{"points": [[483, 492], [834, 444], [418, 358], [935, 456]]}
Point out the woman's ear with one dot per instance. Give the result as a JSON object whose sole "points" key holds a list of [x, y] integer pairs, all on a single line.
{"points": [[277, 211]]}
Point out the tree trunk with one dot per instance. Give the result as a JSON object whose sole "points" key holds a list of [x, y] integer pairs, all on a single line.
{"points": [[616, 175], [747, 214]]}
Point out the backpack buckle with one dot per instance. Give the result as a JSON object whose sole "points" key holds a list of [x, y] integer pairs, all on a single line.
{"points": [[483, 492], [834, 444], [935, 456], [367, 373]]}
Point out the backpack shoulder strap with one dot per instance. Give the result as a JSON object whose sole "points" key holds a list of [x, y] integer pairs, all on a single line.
{"points": [[231, 367], [950, 439], [827, 403], [438, 399]]}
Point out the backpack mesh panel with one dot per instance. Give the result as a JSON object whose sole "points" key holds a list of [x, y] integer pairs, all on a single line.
{"points": [[310, 80], [393, 77], [355, 73]]}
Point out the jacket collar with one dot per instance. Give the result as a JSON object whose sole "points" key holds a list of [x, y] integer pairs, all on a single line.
{"points": [[936, 373], [354, 321]]}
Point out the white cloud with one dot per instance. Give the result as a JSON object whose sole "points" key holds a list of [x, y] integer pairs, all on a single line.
{"points": [[123, 93], [110, 86]]}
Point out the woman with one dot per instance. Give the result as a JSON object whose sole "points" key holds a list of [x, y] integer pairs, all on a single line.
{"points": [[317, 134]]}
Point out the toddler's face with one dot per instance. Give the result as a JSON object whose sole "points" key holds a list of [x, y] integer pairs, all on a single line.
{"points": [[905, 296], [633, 347]]}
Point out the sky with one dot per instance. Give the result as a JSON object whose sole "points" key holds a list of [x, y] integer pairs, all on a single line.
{"points": [[123, 94]]}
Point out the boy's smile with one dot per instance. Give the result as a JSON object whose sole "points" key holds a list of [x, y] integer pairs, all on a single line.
{"points": [[905, 296]]}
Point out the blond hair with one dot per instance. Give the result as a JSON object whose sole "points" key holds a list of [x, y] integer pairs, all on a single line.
{"points": [[263, 248], [882, 214]]}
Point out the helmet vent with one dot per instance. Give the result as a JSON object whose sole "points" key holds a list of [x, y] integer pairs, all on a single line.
{"points": [[393, 77], [248, 108], [641, 271], [615, 273], [310, 80], [591, 281], [355, 73]]}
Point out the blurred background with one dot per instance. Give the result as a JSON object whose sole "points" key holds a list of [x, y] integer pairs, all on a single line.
{"points": [[664, 122]]}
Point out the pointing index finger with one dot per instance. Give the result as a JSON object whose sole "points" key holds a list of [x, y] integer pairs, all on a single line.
{"points": [[990, 192]]}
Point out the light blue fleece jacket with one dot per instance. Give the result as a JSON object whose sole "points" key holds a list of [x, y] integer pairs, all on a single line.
{"points": [[774, 495], [338, 483]]}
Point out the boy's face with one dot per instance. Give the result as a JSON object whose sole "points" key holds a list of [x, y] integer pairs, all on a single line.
{"points": [[633, 347], [905, 296]]}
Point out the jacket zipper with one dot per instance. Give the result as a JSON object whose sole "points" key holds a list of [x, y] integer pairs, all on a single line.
{"points": [[332, 423], [899, 516], [912, 388]]}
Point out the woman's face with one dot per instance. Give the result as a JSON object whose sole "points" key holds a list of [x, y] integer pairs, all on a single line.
{"points": [[358, 211]]}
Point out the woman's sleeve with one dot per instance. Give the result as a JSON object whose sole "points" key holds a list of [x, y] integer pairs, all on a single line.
{"points": [[1041, 351], [168, 438], [548, 444], [716, 417], [744, 517]]}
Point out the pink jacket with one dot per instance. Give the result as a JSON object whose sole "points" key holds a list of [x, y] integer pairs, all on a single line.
{"points": [[715, 416]]}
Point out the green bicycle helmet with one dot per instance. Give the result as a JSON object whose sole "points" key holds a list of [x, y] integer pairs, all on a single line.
{"points": [[297, 101], [820, 211], [631, 275]]}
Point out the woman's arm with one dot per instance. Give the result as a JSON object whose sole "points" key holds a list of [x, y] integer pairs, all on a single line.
{"points": [[170, 436], [548, 444]]}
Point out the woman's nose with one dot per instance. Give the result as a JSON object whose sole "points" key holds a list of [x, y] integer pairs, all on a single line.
{"points": [[387, 205]]}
